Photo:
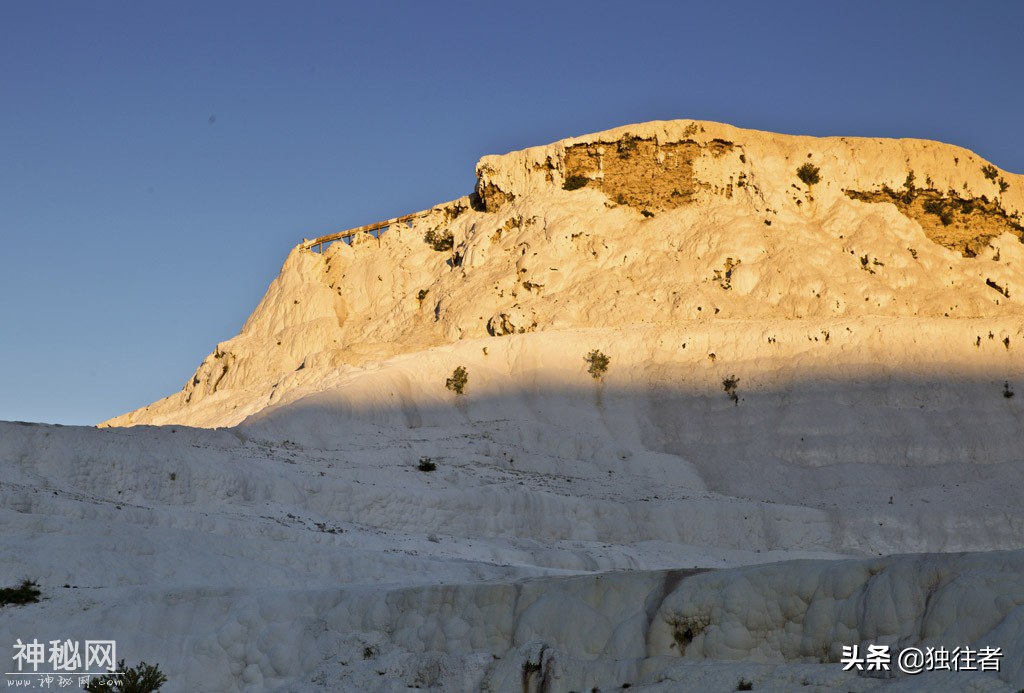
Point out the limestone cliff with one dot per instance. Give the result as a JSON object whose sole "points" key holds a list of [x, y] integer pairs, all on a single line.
{"points": [[663, 225]]}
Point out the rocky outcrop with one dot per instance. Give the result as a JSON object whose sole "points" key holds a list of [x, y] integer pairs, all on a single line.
{"points": [[658, 223]]}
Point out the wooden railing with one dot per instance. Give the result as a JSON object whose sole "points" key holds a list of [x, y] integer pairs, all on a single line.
{"points": [[380, 226]]}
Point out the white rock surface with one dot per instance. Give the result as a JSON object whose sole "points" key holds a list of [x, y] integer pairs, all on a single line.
{"points": [[272, 530], [551, 260]]}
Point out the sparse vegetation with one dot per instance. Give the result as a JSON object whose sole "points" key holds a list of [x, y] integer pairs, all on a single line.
{"points": [[422, 294], [729, 385], [724, 276], [142, 678], [744, 685], [575, 182], [514, 222], [1007, 390], [990, 171], [909, 189], [426, 465], [809, 174], [627, 146], [598, 364], [27, 592], [939, 209], [439, 240], [933, 207], [643, 173], [457, 383], [963, 224], [452, 213]]}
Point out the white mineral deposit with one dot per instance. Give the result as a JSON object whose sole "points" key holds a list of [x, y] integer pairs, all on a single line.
{"points": [[731, 404]]}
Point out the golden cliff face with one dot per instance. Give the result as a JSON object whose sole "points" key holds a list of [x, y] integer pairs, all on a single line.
{"points": [[658, 225]]}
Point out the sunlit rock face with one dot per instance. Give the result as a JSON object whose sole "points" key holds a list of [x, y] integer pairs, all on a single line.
{"points": [[732, 401], [664, 225]]}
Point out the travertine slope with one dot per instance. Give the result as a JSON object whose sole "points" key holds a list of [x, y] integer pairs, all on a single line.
{"points": [[668, 224], [812, 404]]}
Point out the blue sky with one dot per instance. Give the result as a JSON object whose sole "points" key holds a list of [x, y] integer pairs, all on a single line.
{"points": [[159, 159]]}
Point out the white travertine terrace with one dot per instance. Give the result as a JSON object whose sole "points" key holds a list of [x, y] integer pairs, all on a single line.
{"points": [[267, 528]]}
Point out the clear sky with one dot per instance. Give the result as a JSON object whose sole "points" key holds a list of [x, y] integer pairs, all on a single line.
{"points": [[159, 159]]}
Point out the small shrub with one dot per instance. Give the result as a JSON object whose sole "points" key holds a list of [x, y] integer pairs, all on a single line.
{"points": [[809, 174], [627, 146], [1003, 185], [457, 383], [598, 364], [27, 592], [439, 240], [575, 182], [143, 678], [422, 294], [426, 465], [1007, 391], [724, 276], [909, 189], [990, 171], [744, 685], [729, 385], [453, 213], [940, 209]]}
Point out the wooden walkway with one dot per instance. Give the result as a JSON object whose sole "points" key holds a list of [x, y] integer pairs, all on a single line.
{"points": [[317, 244]]}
